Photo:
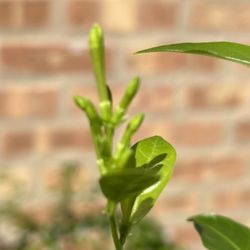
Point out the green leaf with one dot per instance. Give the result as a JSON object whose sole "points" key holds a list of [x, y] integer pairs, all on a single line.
{"points": [[235, 52], [150, 153], [221, 233], [120, 184]]}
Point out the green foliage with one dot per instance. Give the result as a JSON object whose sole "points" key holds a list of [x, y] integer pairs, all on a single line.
{"points": [[73, 229], [120, 184], [148, 235], [157, 154], [219, 233], [235, 52], [64, 223], [131, 177], [154, 154]]}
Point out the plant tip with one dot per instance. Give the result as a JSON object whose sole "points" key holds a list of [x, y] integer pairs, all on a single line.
{"points": [[96, 32], [80, 101]]}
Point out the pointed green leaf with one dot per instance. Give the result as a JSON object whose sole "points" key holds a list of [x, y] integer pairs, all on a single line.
{"points": [[120, 184], [235, 52], [221, 233], [150, 153]]}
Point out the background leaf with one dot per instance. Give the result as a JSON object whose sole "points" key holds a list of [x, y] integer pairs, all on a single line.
{"points": [[221, 233], [120, 184], [235, 52]]}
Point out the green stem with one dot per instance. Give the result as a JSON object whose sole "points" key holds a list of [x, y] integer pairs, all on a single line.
{"points": [[94, 121], [111, 207], [110, 135], [95, 140]]}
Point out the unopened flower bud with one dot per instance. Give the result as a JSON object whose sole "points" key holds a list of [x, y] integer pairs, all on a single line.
{"points": [[87, 106], [130, 92], [126, 100], [135, 123], [132, 127], [96, 42]]}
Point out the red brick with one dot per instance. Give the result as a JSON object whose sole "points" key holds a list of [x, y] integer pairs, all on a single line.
{"points": [[48, 59], [111, 16], [24, 103], [6, 8], [198, 133], [219, 96], [42, 103], [35, 13], [184, 202], [243, 131], [186, 235], [212, 15], [210, 169], [83, 13], [3, 103], [202, 63], [157, 63], [156, 14], [155, 99], [18, 143], [66, 138], [232, 199], [44, 59], [52, 178], [186, 134]]}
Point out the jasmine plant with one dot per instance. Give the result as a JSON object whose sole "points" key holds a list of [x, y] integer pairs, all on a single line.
{"points": [[133, 176]]}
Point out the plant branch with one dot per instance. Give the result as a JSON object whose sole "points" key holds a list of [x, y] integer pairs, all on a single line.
{"points": [[111, 207]]}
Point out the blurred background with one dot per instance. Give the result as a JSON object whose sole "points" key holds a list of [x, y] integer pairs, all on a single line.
{"points": [[201, 105]]}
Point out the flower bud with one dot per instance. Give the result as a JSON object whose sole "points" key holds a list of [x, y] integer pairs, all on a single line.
{"points": [[126, 100], [96, 42], [130, 93], [87, 106], [135, 123], [132, 127]]}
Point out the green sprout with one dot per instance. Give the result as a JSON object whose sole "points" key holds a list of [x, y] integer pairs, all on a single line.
{"points": [[130, 180], [133, 176]]}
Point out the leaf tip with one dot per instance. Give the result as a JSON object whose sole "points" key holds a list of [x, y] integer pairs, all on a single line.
{"points": [[140, 52]]}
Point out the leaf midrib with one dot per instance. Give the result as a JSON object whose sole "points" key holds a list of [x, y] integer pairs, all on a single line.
{"points": [[224, 237]]}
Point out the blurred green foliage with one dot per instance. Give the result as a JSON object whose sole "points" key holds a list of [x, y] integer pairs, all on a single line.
{"points": [[66, 230]]}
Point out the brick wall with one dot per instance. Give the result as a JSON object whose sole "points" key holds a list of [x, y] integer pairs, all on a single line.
{"points": [[201, 105]]}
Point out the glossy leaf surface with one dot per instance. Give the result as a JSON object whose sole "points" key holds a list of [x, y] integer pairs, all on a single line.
{"points": [[235, 52], [120, 184], [221, 233], [150, 153]]}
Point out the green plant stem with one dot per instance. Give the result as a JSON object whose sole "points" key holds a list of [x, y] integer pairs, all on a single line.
{"points": [[110, 134], [111, 207], [95, 140]]}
